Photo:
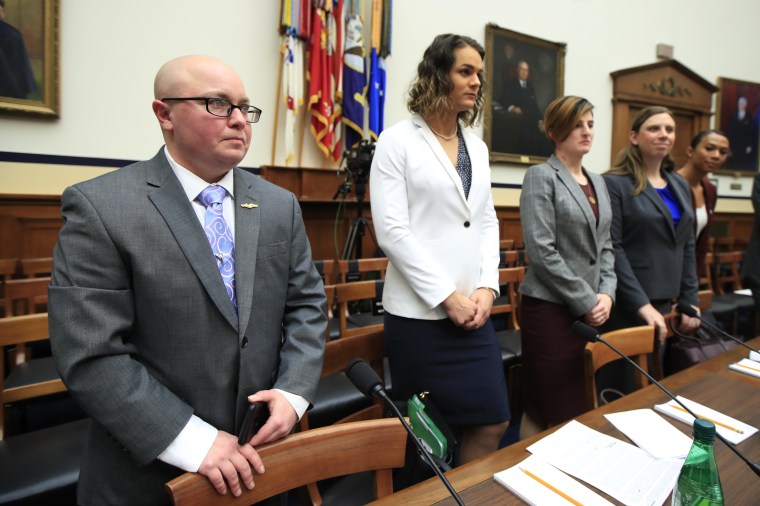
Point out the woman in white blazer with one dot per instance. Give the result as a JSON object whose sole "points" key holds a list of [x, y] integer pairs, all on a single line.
{"points": [[433, 214], [565, 215]]}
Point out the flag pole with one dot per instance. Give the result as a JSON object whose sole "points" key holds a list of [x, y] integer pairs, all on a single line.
{"points": [[277, 104]]}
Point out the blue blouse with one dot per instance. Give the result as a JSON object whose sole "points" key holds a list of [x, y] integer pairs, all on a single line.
{"points": [[672, 202]]}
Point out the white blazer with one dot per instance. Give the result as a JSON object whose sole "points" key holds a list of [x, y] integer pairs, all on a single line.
{"points": [[436, 240]]}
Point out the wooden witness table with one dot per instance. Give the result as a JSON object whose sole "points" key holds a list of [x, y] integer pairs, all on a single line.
{"points": [[710, 383]]}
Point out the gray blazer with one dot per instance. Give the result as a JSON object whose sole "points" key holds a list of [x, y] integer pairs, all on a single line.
{"points": [[653, 260], [143, 333], [571, 256]]}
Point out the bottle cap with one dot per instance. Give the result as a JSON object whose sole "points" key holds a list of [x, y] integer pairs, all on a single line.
{"points": [[704, 429]]}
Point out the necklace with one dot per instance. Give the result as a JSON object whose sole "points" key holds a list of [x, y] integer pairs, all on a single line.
{"points": [[588, 193], [445, 138]]}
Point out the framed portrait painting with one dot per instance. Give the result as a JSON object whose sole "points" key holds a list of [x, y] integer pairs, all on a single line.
{"points": [[523, 75], [738, 115], [29, 68]]}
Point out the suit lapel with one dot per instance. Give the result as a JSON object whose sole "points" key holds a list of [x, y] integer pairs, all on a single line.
{"points": [[440, 154], [575, 190], [171, 202], [684, 200], [247, 221], [653, 196]]}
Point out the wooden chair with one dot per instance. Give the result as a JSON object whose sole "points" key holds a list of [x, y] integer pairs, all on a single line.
{"points": [[347, 295], [513, 258], [307, 457], [361, 269], [328, 269], [332, 331], [8, 269], [725, 243], [32, 378], [728, 279], [506, 244], [36, 267], [506, 307], [634, 342], [27, 296], [338, 401], [722, 306]]}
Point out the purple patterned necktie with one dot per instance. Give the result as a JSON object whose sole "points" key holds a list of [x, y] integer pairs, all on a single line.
{"points": [[220, 237]]}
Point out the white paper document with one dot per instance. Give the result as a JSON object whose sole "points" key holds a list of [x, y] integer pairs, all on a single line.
{"points": [[747, 366], [753, 355], [744, 291], [619, 469], [536, 482], [652, 433], [732, 429]]}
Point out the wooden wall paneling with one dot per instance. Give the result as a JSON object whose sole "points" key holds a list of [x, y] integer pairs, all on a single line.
{"points": [[667, 83], [29, 225]]}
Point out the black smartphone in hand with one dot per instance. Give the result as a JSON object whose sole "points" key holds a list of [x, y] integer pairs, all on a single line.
{"points": [[255, 417]]}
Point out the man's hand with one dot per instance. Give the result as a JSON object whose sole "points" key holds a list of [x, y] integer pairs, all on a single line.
{"points": [[282, 417], [227, 463]]}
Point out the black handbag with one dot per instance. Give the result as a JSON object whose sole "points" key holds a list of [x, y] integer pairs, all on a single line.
{"points": [[682, 351]]}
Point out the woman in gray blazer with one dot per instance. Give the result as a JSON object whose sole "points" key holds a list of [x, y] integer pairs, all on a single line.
{"points": [[565, 215], [652, 227]]}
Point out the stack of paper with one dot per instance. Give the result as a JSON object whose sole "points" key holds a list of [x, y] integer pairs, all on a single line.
{"points": [[615, 467], [732, 429], [652, 433], [747, 366], [536, 482]]}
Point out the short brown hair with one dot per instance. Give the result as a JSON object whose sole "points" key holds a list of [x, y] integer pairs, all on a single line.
{"points": [[563, 114], [429, 92]]}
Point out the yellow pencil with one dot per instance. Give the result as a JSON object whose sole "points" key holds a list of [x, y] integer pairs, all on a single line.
{"points": [[551, 487], [748, 367], [716, 422]]}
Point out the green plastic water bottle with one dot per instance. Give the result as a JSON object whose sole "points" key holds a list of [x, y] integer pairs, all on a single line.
{"points": [[698, 483]]}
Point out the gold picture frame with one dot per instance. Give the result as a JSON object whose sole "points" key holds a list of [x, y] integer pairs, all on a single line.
{"points": [[513, 111], [32, 87], [740, 128]]}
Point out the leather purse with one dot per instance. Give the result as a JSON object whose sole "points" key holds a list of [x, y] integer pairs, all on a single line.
{"points": [[682, 351]]}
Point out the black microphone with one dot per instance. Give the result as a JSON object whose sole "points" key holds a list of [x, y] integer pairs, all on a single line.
{"points": [[366, 380], [686, 309], [590, 334]]}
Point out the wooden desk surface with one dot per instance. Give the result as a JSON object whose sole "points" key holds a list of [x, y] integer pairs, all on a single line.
{"points": [[710, 383]]}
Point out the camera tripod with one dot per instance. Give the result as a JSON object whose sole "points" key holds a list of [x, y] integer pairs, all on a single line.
{"points": [[358, 227]]}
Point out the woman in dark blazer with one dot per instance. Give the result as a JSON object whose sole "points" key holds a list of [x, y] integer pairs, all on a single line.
{"points": [[565, 216], [707, 152], [652, 227]]}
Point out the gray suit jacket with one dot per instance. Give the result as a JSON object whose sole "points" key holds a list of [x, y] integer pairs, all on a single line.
{"points": [[653, 260], [143, 332], [571, 256]]}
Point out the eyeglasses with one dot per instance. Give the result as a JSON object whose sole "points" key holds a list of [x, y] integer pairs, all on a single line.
{"points": [[223, 108]]}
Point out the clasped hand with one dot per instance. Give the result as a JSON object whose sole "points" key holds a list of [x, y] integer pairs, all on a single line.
{"points": [[227, 464], [469, 313]]}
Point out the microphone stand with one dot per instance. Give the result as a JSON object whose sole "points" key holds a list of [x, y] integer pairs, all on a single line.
{"points": [[421, 449], [366, 380], [716, 328], [581, 331]]}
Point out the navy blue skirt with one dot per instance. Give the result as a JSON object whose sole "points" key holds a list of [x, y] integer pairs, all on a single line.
{"points": [[461, 369]]}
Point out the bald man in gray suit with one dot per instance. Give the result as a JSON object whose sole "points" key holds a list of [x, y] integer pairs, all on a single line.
{"points": [[152, 335]]}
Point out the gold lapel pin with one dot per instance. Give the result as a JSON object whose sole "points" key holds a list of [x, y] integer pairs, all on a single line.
{"points": [[249, 206]]}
